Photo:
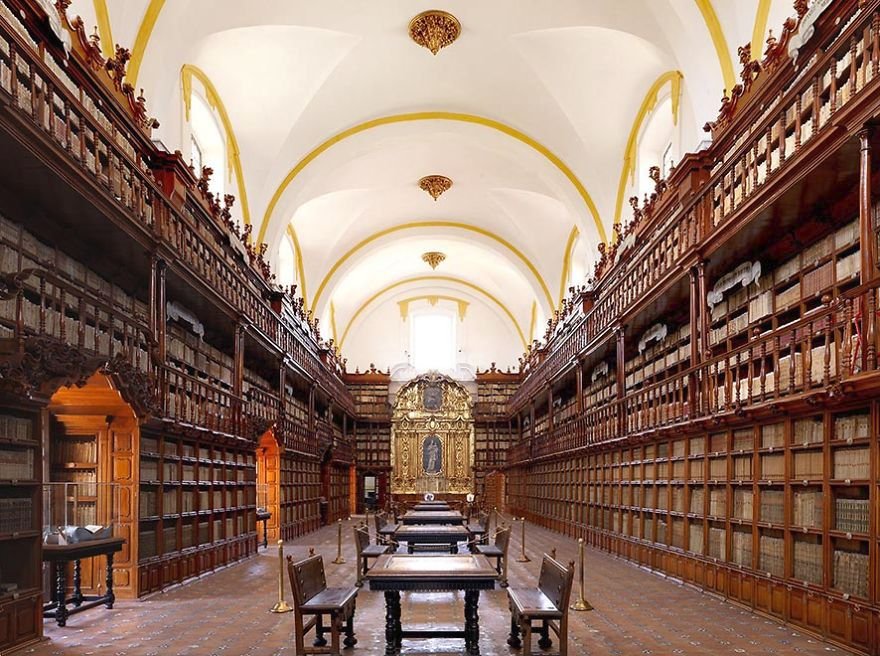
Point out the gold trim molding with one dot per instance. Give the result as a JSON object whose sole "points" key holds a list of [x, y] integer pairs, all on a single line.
{"points": [[432, 300], [417, 279], [435, 185], [434, 29], [433, 224]]}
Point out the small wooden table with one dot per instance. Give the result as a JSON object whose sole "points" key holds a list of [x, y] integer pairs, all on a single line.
{"points": [[430, 517], [264, 516], [60, 555], [396, 573], [446, 535]]}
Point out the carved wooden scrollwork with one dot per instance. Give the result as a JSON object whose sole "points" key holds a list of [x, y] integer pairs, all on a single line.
{"points": [[43, 364], [137, 387]]}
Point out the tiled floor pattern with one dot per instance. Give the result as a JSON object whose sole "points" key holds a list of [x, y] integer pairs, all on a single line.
{"points": [[226, 613]]}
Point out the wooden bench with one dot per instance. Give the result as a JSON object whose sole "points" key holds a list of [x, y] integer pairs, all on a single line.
{"points": [[547, 604], [311, 596], [366, 551], [498, 551]]}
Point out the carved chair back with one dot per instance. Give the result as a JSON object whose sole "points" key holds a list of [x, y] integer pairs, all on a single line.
{"points": [[307, 578], [502, 539], [361, 538], [555, 582]]}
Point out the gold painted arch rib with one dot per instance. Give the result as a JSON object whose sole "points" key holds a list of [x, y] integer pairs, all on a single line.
{"points": [[433, 116], [674, 78], [189, 71], [431, 224], [145, 31], [417, 279], [710, 18]]}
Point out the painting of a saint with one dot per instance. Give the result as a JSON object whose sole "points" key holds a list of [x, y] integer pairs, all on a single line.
{"points": [[432, 455]]}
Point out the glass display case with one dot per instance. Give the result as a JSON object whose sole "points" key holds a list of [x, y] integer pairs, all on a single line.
{"points": [[262, 497], [78, 512]]}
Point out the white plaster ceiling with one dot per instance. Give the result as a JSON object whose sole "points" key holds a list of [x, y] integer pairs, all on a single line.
{"points": [[556, 88]]}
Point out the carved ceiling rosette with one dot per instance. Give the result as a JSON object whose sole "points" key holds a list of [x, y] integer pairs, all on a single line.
{"points": [[434, 29]]}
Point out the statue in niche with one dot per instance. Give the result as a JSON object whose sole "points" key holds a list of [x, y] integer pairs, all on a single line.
{"points": [[431, 454]]}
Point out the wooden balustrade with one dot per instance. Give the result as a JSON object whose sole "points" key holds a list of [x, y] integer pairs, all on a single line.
{"points": [[831, 82], [102, 148], [188, 401], [832, 344]]}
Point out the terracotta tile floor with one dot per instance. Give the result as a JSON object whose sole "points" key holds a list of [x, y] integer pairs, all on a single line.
{"points": [[226, 613]]}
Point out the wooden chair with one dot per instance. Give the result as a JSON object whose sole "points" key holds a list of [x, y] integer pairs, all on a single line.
{"points": [[479, 530], [384, 530], [312, 597], [365, 551], [547, 604], [498, 551]]}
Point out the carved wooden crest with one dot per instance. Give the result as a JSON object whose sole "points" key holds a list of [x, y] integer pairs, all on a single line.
{"points": [[43, 364], [137, 387]]}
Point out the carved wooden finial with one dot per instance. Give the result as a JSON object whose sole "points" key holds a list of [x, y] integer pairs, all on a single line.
{"points": [[800, 7], [311, 552]]}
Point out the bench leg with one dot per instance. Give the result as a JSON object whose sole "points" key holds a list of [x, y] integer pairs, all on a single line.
{"points": [[320, 640], [513, 639], [525, 628], [350, 640], [335, 625], [545, 642]]}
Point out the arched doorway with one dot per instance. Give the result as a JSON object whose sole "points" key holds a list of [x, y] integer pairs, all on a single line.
{"points": [[269, 482], [94, 444]]}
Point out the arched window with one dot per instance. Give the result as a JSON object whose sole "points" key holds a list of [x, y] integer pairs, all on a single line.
{"points": [[658, 146], [286, 270], [432, 341], [207, 142]]}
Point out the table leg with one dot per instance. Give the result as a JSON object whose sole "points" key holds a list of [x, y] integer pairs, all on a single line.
{"points": [[77, 597], [60, 593], [109, 580], [513, 639], [392, 623], [265, 535], [472, 622]]}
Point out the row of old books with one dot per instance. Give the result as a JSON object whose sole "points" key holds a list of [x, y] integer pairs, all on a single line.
{"points": [[808, 465], [743, 506], [772, 552], [852, 515], [807, 508], [851, 572], [16, 464], [16, 515], [850, 427], [808, 560], [772, 508], [85, 482], [741, 548], [16, 429], [79, 451], [852, 464]]}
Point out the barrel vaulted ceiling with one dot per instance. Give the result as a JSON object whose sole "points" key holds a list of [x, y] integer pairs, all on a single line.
{"points": [[335, 114]]}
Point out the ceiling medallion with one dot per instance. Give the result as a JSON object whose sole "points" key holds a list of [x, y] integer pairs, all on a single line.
{"points": [[434, 29], [435, 185], [433, 258]]}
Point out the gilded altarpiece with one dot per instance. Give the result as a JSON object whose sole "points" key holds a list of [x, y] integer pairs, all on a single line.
{"points": [[432, 437]]}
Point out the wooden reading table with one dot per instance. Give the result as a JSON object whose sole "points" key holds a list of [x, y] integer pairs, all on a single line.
{"points": [[60, 555], [396, 573], [431, 517], [428, 534], [432, 506]]}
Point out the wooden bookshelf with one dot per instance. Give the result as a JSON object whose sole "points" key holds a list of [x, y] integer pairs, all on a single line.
{"points": [[197, 508], [773, 510], [20, 526]]}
